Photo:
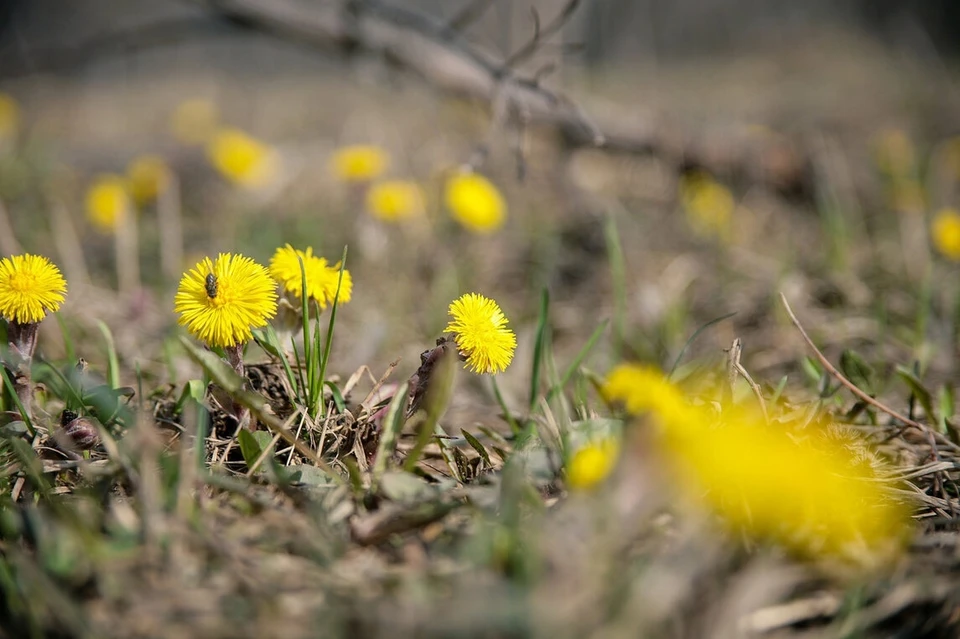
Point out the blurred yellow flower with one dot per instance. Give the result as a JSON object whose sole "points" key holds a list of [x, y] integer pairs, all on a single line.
{"points": [[221, 301], [644, 389], [814, 499], [30, 287], [481, 333], [592, 463], [475, 202], [242, 159], [322, 278], [893, 153], [147, 176], [945, 231], [107, 202], [9, 116], [708, 204], [395, 200], [359, 163], [194, 121]]}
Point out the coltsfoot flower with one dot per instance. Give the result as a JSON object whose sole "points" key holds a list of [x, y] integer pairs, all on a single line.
{"points": [[481, 334], [220, 301], [30, 287], [708, 204], [242, 159], [592, 463], [475, 202], [395, 200], [147, 176], [359, 163], [107, 202], [945, 231], [321, 277]]}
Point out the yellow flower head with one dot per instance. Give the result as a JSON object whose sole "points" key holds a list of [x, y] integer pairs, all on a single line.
{"points": [[812, 498], [480, 331], [475, 202], [242, 159], [708, 204], [946, 233], [395, 200], [359, 163], [321, 277], [147, 175], [30, 287], [9, 116], [107, 202], [221, 301], [592, 463], [194, 121]]}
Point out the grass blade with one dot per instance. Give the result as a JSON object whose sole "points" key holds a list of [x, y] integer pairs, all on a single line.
{"points": [[578, 360], [392, 423], [113, 364], [695, 335], [538, 346], [333, 318]]}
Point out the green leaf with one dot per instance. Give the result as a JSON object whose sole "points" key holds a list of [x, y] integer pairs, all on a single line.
{"points": [[389, 432], [309, 475], [113, 365], [194, 389], [858, 371], [403, 487], [812, 369], [477, 446], [918, 390], [337, 396], [538, 346], [252, 445]]}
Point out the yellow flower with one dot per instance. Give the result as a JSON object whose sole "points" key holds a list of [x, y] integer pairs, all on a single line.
{"points": [[194, 121], [242, 159], [321, 277], [946, 233], [395, 200], [592, 463], [221, 310], [107, 202], [480, 331], [708, 204], [359, 163], [147, 175], [812, 498], [475, 202], [9, 116], [30, 287]]}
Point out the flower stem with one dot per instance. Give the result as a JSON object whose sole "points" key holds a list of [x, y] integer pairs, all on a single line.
{"points": [[22, 339], [242, 413]]}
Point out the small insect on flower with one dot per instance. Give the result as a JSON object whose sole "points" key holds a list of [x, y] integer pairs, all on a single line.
{"points": [[359, 163], [107, 202], [481, 334], [945, 232], [242, 159], [211, 285], [244, 297], [30, 287], [475, 202], [322, 278]]}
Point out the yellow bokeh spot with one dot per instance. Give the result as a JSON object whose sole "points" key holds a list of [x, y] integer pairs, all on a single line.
{"points": [[194, 121], [359, 163], [592, 463], [395, 200], [242, 159], [945, 231], [147, 176], [107, 202], [708, 205], [475, 202], [9, 116]]}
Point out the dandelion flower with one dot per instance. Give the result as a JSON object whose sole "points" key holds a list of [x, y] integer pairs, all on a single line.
{"points": [[592, 463], [395, 200], [30, 287], [481, 333], [359, 163], [194, 121], [475, 202], [946, 233], [9, 116], [107, 202], [221, 301], [321, 277], [708, 204], [147, 176], [242, 159]]}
